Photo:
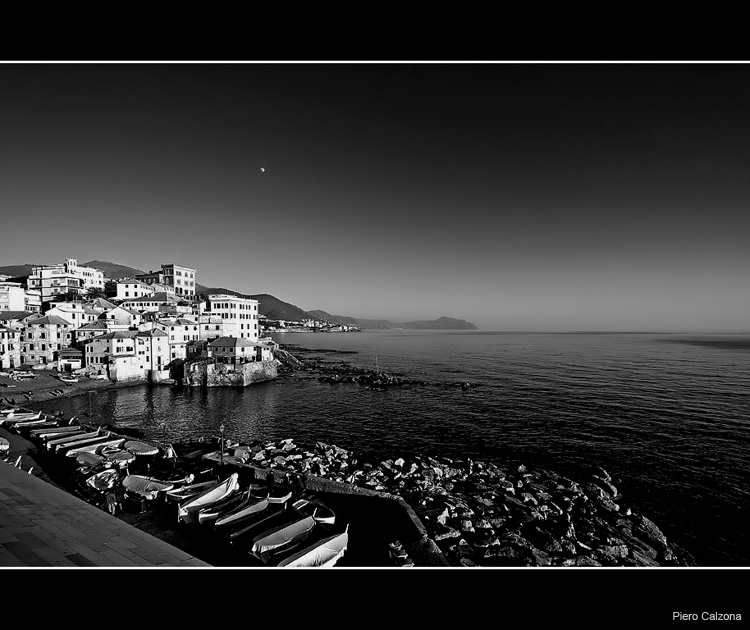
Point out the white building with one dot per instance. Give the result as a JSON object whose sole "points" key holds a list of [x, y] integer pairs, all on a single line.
{"points": [[12, 296], [127, 354], [10, 348], [43, 337], [73, 312], [130, 288], [239, 315], [53, 280], [180, 331], [181, 278]]}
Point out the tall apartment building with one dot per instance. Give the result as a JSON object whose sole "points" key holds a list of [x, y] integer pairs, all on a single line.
{"points": [[239, 315], [179, 277], [12, 296], [53, 280]]}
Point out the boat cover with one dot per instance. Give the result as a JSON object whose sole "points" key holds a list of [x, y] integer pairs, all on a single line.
{"points": [[93, 447], [90, 459], [283, 536], [186, 492], [4, 445], [243, 512], [104, 480], [140, 448], [187, 510], [324, 553], [147, 487]]}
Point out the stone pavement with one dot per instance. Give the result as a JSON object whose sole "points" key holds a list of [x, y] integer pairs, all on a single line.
{"points": [[43, 526]]}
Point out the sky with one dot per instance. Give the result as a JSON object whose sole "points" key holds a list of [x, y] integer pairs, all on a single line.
{"points": [[517, 196]]}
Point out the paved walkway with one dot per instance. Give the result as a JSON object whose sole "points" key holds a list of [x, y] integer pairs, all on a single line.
{"points": [[44, 526]]}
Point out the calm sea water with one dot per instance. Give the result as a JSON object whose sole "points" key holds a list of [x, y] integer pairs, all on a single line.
{"points": [[667, 415]]}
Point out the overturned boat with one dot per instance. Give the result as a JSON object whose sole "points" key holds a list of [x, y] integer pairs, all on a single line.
{"points": [[323, 553], [187, 512]]}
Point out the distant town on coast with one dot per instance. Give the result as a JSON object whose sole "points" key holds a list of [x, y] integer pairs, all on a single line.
{"points": [[108, 321]]}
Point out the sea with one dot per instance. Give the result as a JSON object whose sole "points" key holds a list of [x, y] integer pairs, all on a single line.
{"points": [[667, 415]]}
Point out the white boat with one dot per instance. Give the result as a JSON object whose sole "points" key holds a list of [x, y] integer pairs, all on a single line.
{"points": [[17, 425], [81, 441], [19, 416], [68, 379], [324, 553], [237, 515], [282, 538], [92, 460], [146, 487], [93, 447], [43, 434], [187, 511], [52, 444], [183, 493]]}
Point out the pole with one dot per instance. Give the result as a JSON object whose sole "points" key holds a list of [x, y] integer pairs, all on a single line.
{"points": [[221, 453]]}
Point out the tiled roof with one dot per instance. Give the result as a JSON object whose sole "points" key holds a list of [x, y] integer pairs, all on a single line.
{"points": [[156, 297], [231, 341], [48, 320], [8, 315], [97, 325]]}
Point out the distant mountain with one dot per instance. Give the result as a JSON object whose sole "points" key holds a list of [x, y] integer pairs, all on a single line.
{"points": [[113, 271], [268, 305], [442, 323], [16, 271]]}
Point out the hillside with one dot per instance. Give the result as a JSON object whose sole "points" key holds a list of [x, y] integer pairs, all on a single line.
{"points": [[113, 271], [16, 271], [443, 323]]}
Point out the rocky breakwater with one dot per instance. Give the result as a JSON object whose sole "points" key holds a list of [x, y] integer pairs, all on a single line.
{"points": [[201, 373], [482, 514]]}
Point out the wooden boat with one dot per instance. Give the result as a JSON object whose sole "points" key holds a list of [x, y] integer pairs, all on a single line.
{"points": [[52, 444], [281, 538], [36, 425], [94, 446], [146, 487], [94, 439], [19, 416], [229, 521], [209, 514], [187, 511], [265, 520], [44, 434], [322, 553], [184, 493], [18, 425]]}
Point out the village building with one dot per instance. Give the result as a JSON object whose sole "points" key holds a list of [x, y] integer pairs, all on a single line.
{"points": [[69, 360], [128, 355], [239, 315], [10, 348], [12, 296], [181, 278], [89, 331], [100, 304], [131, 288], [232, 350], [120, 318], [76, 313], [156, 303], [66, 277], [43, 337], [180, 331]]}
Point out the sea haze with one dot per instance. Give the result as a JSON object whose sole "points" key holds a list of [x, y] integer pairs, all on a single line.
{"points": [[665, 414]]}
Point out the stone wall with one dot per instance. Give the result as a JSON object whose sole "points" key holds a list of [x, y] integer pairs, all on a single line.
{"points": [[203, 374]]}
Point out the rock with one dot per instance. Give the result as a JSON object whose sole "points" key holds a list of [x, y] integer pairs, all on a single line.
{"points": [[466, 526], [646, 528], [586, 561], [617, 551]]}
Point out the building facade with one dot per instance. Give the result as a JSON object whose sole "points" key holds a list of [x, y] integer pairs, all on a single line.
{"points": [[12, 296], [10, 348], [239, 315], [69, 276], [181, 278], [43, 337]]}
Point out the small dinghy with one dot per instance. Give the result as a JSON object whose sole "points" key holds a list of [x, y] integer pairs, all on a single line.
{"points": [[281, 538], [92, 460], [11, 418], [52, 444], [93, 447], [146, 487], [209, 514], [117, 456], [265, 520], [187, 512], [324, 553], [188, 492], [42, 433]]}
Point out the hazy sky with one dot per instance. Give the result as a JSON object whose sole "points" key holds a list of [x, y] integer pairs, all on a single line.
{"points": [[516, 196]]}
